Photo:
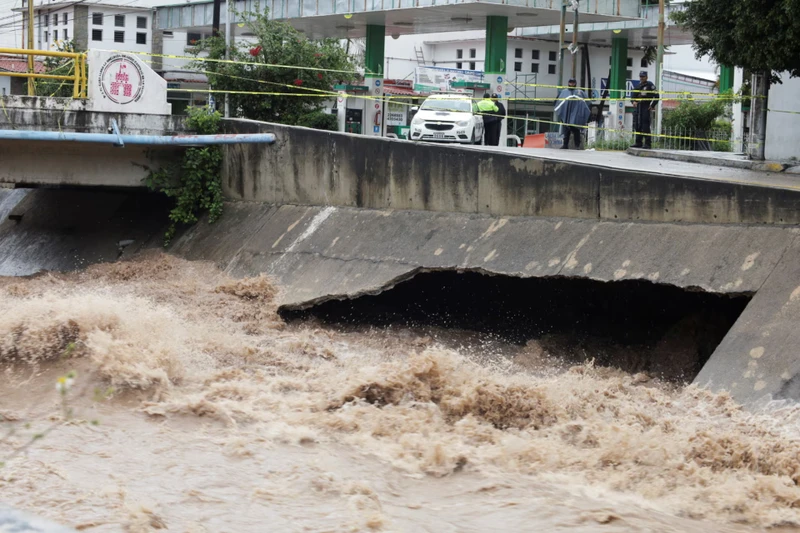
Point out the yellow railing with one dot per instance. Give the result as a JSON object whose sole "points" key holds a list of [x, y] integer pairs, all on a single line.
{"points": [[79, 77]]}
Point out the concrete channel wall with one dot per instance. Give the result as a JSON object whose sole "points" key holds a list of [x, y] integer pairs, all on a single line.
{"points": [[311, 167], [34, 164]]}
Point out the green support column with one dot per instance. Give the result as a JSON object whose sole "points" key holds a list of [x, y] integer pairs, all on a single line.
{"points": [[725, 78], [373, 78], [373, 56], [619, 65], [494, 66], [496, 45]]}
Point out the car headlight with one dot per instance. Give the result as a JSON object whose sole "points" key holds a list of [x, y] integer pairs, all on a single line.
{"points": [[462, 123], [417, 121]]}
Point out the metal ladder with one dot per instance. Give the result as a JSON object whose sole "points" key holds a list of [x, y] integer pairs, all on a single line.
{"points": [[419, 54]]}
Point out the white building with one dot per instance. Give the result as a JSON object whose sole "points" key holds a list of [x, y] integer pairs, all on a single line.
{"points": [[105, 25]]}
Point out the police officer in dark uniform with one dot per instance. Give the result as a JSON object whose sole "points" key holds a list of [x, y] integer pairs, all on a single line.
{"points": [[645, 100]]}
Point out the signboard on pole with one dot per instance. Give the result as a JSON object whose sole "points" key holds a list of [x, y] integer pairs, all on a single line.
{"points": [[439, 79], [630, 85], [396, 114]]}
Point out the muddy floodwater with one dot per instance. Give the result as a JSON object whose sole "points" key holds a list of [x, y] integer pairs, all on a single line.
{"points": [[195, 408]]}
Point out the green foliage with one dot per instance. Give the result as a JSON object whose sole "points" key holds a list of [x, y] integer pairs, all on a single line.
{"points": [[196, 186], [320, 120], [61, 66], [758, 35], [276, 43], [691, 115], [705, 120], [612, 145]]}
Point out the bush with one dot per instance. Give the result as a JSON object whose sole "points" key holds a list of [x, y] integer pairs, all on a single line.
{"points": [[691, 115], [319, 120]]}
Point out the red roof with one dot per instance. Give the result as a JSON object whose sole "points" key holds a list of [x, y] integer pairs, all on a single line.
{"points": [[402, 91], [19, 64]]}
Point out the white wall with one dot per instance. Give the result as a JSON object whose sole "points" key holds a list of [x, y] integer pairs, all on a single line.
{"points": [[783, 129], [130, 29], [47, 29]]}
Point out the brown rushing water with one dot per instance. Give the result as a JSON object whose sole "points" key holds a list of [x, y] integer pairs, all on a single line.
{"points": [[195, 408]]}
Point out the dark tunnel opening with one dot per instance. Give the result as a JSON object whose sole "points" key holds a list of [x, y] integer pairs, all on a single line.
{"points": [[634, 325]]}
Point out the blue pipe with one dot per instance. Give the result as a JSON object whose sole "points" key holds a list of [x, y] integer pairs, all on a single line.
{"points": [[176, 140]]}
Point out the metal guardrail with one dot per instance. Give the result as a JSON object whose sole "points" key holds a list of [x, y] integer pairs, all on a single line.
{"points": [[79, 77]]}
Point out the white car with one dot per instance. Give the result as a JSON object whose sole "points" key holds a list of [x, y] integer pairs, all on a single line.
{"points": [[448, 118]]}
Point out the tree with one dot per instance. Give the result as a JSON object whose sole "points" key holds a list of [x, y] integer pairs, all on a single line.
{"points": [[321, 64], [758, 35], [61, 66]]}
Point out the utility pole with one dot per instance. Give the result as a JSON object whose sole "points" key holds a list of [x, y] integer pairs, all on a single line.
{"points": [[561, 49], [575, 41], [215, 19], [758, 115], [660, 66], [228, 42], [31, 86]]}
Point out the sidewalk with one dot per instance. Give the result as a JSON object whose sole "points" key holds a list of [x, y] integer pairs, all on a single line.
{"points": [[720, 159], [716, 171]]}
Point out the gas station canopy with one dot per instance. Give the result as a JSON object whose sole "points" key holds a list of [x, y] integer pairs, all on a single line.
{"points": [[640, 32], [350, 18]]}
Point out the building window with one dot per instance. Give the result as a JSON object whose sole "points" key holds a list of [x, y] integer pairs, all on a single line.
{"points": [[644, 63], [553, 56], [628, 74], [518, 66], [472, 65], [119, 36], [518, 53], [459, 64], [551, 69], [64, 19], [459, 54], [55, 35], [43, 20], [193, 38], [55, 19], [97, 19], [141, 23], [535, 55], [167, 34], [630, 61], [66, 36], [47, 37], [119, 21], [535, 68], [141, 38], [472, 53], [97, 35]]}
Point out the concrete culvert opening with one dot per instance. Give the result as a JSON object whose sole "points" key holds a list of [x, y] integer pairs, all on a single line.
{"points": [[636, 326]]}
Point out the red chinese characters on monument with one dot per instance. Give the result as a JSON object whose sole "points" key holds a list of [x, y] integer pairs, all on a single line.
{"points": [[122, 80]]}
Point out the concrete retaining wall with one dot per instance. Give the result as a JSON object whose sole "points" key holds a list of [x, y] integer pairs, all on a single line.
{"points": [[65, 114], [311, 167], [33, 164]]}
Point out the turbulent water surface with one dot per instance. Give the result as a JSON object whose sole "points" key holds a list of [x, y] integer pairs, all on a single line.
{"points": [[196, 408]]}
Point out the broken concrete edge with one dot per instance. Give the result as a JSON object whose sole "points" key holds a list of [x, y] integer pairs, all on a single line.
{"points": [[699, 158], [303, 305]]}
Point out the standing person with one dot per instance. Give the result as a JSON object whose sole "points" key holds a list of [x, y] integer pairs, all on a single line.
{"points": [[645, 99], [573, 112], [501, 116], [488, 110]]}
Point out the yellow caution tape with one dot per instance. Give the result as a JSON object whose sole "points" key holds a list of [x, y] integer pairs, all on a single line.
{"points": [[229, 61]]}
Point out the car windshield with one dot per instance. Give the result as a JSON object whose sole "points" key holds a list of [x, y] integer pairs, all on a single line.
{"points": [[462, 106]]}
